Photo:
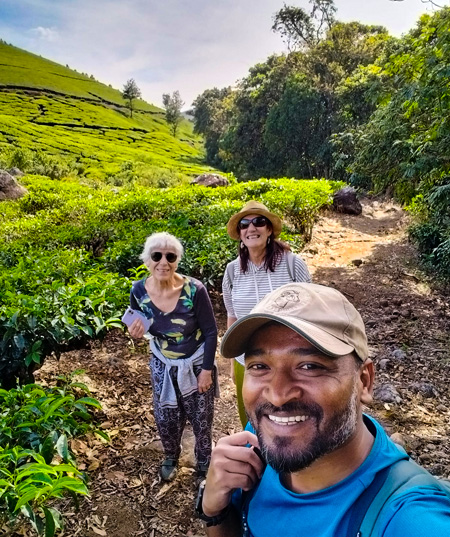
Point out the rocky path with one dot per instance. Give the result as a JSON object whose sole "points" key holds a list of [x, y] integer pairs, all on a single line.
{"points": [[368, 259]]}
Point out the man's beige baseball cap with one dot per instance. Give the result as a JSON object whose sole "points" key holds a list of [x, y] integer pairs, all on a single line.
{"points": [[322, 315]]}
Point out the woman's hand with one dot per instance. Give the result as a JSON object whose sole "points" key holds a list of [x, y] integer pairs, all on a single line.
{"points": [[136, 329], [204, 381]]}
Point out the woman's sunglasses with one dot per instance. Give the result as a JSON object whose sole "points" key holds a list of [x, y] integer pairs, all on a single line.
{"points": [[157, 256], [258, 221]]}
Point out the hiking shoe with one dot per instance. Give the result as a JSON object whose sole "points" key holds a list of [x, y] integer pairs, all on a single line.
{"points": [[201, 470], [168, 469]]}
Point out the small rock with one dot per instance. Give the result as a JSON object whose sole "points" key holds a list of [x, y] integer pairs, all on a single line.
{"points": [[426, 457], [399, 355], [398, 439], [383, 364], [441, 408], [424, 388], [357, 262], [210, 179], [387, 393], [15, 172], [384, 303], [431, 447], [10, 188]]}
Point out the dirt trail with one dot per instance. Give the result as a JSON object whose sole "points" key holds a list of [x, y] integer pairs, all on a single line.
{"points": [[368, 259]]}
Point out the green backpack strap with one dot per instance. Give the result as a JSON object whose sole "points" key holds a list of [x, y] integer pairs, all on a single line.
{"points": [[402, 476]]}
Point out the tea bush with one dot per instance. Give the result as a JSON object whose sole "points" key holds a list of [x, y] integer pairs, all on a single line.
{"points": [[36, 464]]}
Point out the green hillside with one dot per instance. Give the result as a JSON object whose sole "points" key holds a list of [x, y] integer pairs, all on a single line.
{"points": [[45, 107]]}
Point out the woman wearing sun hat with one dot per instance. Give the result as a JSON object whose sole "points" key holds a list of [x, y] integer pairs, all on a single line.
{"points": [[264, 263]]}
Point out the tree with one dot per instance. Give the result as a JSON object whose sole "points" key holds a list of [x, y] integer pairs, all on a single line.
{"points": [[301, 29], [173, 104], [212, 111], [131, 92]]}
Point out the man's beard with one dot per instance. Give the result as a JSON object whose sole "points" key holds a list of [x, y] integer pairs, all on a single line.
{"points": [[284, 457]]}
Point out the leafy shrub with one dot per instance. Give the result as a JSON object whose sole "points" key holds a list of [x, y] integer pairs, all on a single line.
{"points": [[36, 465], [27, 484], [431, 232], [50, 303]]}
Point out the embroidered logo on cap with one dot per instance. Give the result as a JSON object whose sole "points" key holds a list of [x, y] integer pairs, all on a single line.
{"points": [[288, 299]]}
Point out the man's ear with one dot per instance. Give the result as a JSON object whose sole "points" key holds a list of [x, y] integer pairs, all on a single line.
{"points": [[366, 377]]}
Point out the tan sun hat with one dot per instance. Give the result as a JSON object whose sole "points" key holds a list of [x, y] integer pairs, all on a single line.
{"points": [[253, 207], [322, 315]]}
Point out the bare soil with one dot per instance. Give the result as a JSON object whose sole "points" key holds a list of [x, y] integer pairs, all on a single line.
{"points": [[369, 259]]}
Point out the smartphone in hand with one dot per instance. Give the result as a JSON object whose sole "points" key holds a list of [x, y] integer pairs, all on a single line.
{"points": [[131, 315]]}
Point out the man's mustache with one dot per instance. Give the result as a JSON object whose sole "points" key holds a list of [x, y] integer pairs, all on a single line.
{"points": [[312, 410]]}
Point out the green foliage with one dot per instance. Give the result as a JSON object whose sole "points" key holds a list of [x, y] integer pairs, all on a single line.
{"points": [[431, 231], [302, 207], [211, 111], [36, 464], [292, 148]]}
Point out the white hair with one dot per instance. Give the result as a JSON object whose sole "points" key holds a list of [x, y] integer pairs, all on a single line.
{"points": [[161, 240]]}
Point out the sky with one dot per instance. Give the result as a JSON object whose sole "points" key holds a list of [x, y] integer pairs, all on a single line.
{"points": [[168, 45]]}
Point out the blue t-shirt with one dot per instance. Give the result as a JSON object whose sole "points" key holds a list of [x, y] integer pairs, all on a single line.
{"points": [[275, 510]]}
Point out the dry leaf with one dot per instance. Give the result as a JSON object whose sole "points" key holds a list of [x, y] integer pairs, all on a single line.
{"points": [[165, 489], [99, 531], [94, 465]]}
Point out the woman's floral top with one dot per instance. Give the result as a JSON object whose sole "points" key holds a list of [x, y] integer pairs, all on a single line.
{"points": [[179, 333]]}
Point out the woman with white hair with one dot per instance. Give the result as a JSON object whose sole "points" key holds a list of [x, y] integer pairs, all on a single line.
{"points": [[182, 345]]}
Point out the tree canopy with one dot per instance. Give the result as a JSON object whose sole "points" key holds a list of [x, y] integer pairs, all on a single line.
{"points": [[173, 105], [348, 101], [130, 93]]}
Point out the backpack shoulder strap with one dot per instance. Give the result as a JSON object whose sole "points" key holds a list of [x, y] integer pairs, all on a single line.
{"points": [[230, 272], [290, 261], [402, 476]]}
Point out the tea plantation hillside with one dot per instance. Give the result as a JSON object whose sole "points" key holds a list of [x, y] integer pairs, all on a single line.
{"points": [[62, 114]]}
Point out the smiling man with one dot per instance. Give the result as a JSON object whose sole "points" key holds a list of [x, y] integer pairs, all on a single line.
{"points": [[309, 458]]}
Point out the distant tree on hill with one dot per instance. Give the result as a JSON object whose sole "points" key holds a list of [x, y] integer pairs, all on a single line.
{"points": [[173, 104], [131, 92]]}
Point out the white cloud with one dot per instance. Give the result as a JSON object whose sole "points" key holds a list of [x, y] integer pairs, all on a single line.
{"points": [[47, 34]]}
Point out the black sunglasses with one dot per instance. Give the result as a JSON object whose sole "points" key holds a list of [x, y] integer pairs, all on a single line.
{"points": [[157, 256], [258, 221]]}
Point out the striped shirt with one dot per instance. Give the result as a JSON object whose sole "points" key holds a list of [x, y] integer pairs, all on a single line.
{"points": [[246, 290]]}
